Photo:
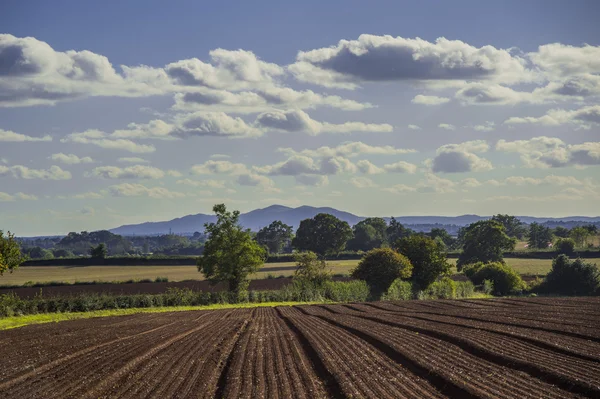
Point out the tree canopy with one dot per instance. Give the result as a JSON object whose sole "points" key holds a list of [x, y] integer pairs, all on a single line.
{"points": [[484, 241], [396, 230], [512, 225], [380, 267], [323, 234], [230, 253], [275, 236], [10, 253], [428, 259], [368, 234], [539, 236]]}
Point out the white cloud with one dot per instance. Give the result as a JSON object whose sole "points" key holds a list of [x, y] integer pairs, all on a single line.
{"points": [[414, 127], [486, 127], [132, 160], [549, 152], [386, 58], [214, 124], [553, 180], [139, 190], [254, 180], [4, 197], [299, 121], [101, 139], [362, 182], [174, 173], [431, 184], [447, 126], [429, 100], [217, 156], [494, 94], [459, 158], [88, 195], [470, 182], [348, 149], [70, 159], [583, 117], [400, 167], [8, 135], [23, 172], [130, 172], [312, 180], [366, 167], [202, 183], [219, 167]]}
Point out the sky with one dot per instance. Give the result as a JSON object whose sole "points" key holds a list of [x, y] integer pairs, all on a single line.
{"points": [[117, 113]]}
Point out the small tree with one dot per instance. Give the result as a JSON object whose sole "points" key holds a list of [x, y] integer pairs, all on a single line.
{"points": [[504, 278], [380, 267], [512, 226], [427, 257], [368, 234], [561, 232], [275, 236], [539, 236], [484, 241], [580, 235], [396, 231], [10, 253], [324, 234], [571, 277], [99, 252], [565, 246], [311, 270], [230, 254]]}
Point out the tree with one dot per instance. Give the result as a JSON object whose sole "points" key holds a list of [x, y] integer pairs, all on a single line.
{"points": [[368, 234], [428, 259], [539, 236], [275, 236], [230, 254], [565, 246], [99, 252], [571, 277], [310, 270], [561, 232], [10, 253], [512, 225], [380, 267], [38, 253], [443, 235], [484, 241], [324, 234], [396, 231], [63, 253], [580, 235], [504, 278]]}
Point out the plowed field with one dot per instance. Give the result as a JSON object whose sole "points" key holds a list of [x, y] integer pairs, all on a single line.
{"points": [[499, 348]]}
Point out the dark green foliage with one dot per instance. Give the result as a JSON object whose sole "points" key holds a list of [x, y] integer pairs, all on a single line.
{"points": [[275, 236], [539, 236], [445, 288], [368, 234], [230, 253], [484, 241], [441, 234], [79, 243], [571, 277], [324, 234], [565, 246], [580, 235], [161, 280], [512, 226], [98, 252], [10, 253], [62, 253], [38, 253], [505, 280], [561, 232], [380, 267], [427, 257], [396, 231], [311, 270]]}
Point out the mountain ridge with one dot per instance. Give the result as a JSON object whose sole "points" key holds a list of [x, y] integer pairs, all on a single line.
{"points": [[258, 218]]}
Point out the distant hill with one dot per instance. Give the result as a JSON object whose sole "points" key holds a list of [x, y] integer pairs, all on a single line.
{"points": [[259, 218]]}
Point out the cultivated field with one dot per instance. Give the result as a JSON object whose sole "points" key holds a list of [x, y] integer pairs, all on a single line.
{"points": [[181, 273], [509, 348]]}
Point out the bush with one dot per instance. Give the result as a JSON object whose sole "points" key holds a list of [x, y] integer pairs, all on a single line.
{"points": [[442, 289], [347, 291], [161, 280], [400, 290], [464, 289], [311, 270], [503, 277], [565, 246], [571, 277], [380, 267], [487, 287], [427, 257]]}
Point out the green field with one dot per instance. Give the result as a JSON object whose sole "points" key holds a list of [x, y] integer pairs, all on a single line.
{"points": [[72, 274]]}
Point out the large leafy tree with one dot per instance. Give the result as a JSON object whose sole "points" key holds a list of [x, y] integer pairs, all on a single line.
{"points": [[580, 235], [230, 254], [368, 234], [275, 236], [484, 241], [324, 234], [380, 267], [396, 230], [539, 236], [427, 257], [10, 253], [442, 235], [99, 252], [512, 225]]}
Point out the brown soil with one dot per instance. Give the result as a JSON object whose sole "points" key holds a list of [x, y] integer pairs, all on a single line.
{"points": [[501, 348]]}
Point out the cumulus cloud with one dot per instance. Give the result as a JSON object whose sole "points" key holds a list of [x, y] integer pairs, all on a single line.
{"points": [[470, 182], [429, 100], [583, 117], [255, 180], [494, 94], [23, 172], [132, 160], [400, 167], [101, 139], [414, 127], [550, 152], [299, 121], [130, 172], [4, 197], [553, 180], [303, 165], [312, 180], [447, 126], [366, 167], [459, 158], [485, 127], [431, 184], [8, 135], [214, 124], [202, 183], [348, 149], [386, 58], [139, 190], [362, 182], [70, 159], [219, 167]]}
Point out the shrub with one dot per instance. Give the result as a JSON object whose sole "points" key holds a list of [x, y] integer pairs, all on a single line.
{"points": [[442, 289], [347, 291], [161, 280], [464, 289], [380, 267], [503, 277], [487, 287], [399, 290], [311, 270], [565, 246], [571, 277], [427, 257]]}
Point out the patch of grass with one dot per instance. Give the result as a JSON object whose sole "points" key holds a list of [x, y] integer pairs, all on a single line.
{"points": [[20, 321]]}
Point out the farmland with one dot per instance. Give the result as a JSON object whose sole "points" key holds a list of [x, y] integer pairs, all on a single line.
{"points": [[72, 274], [512, 348]]}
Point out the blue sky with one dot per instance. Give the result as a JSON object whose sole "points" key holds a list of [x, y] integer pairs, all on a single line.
{"points": [[146, 110]]}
